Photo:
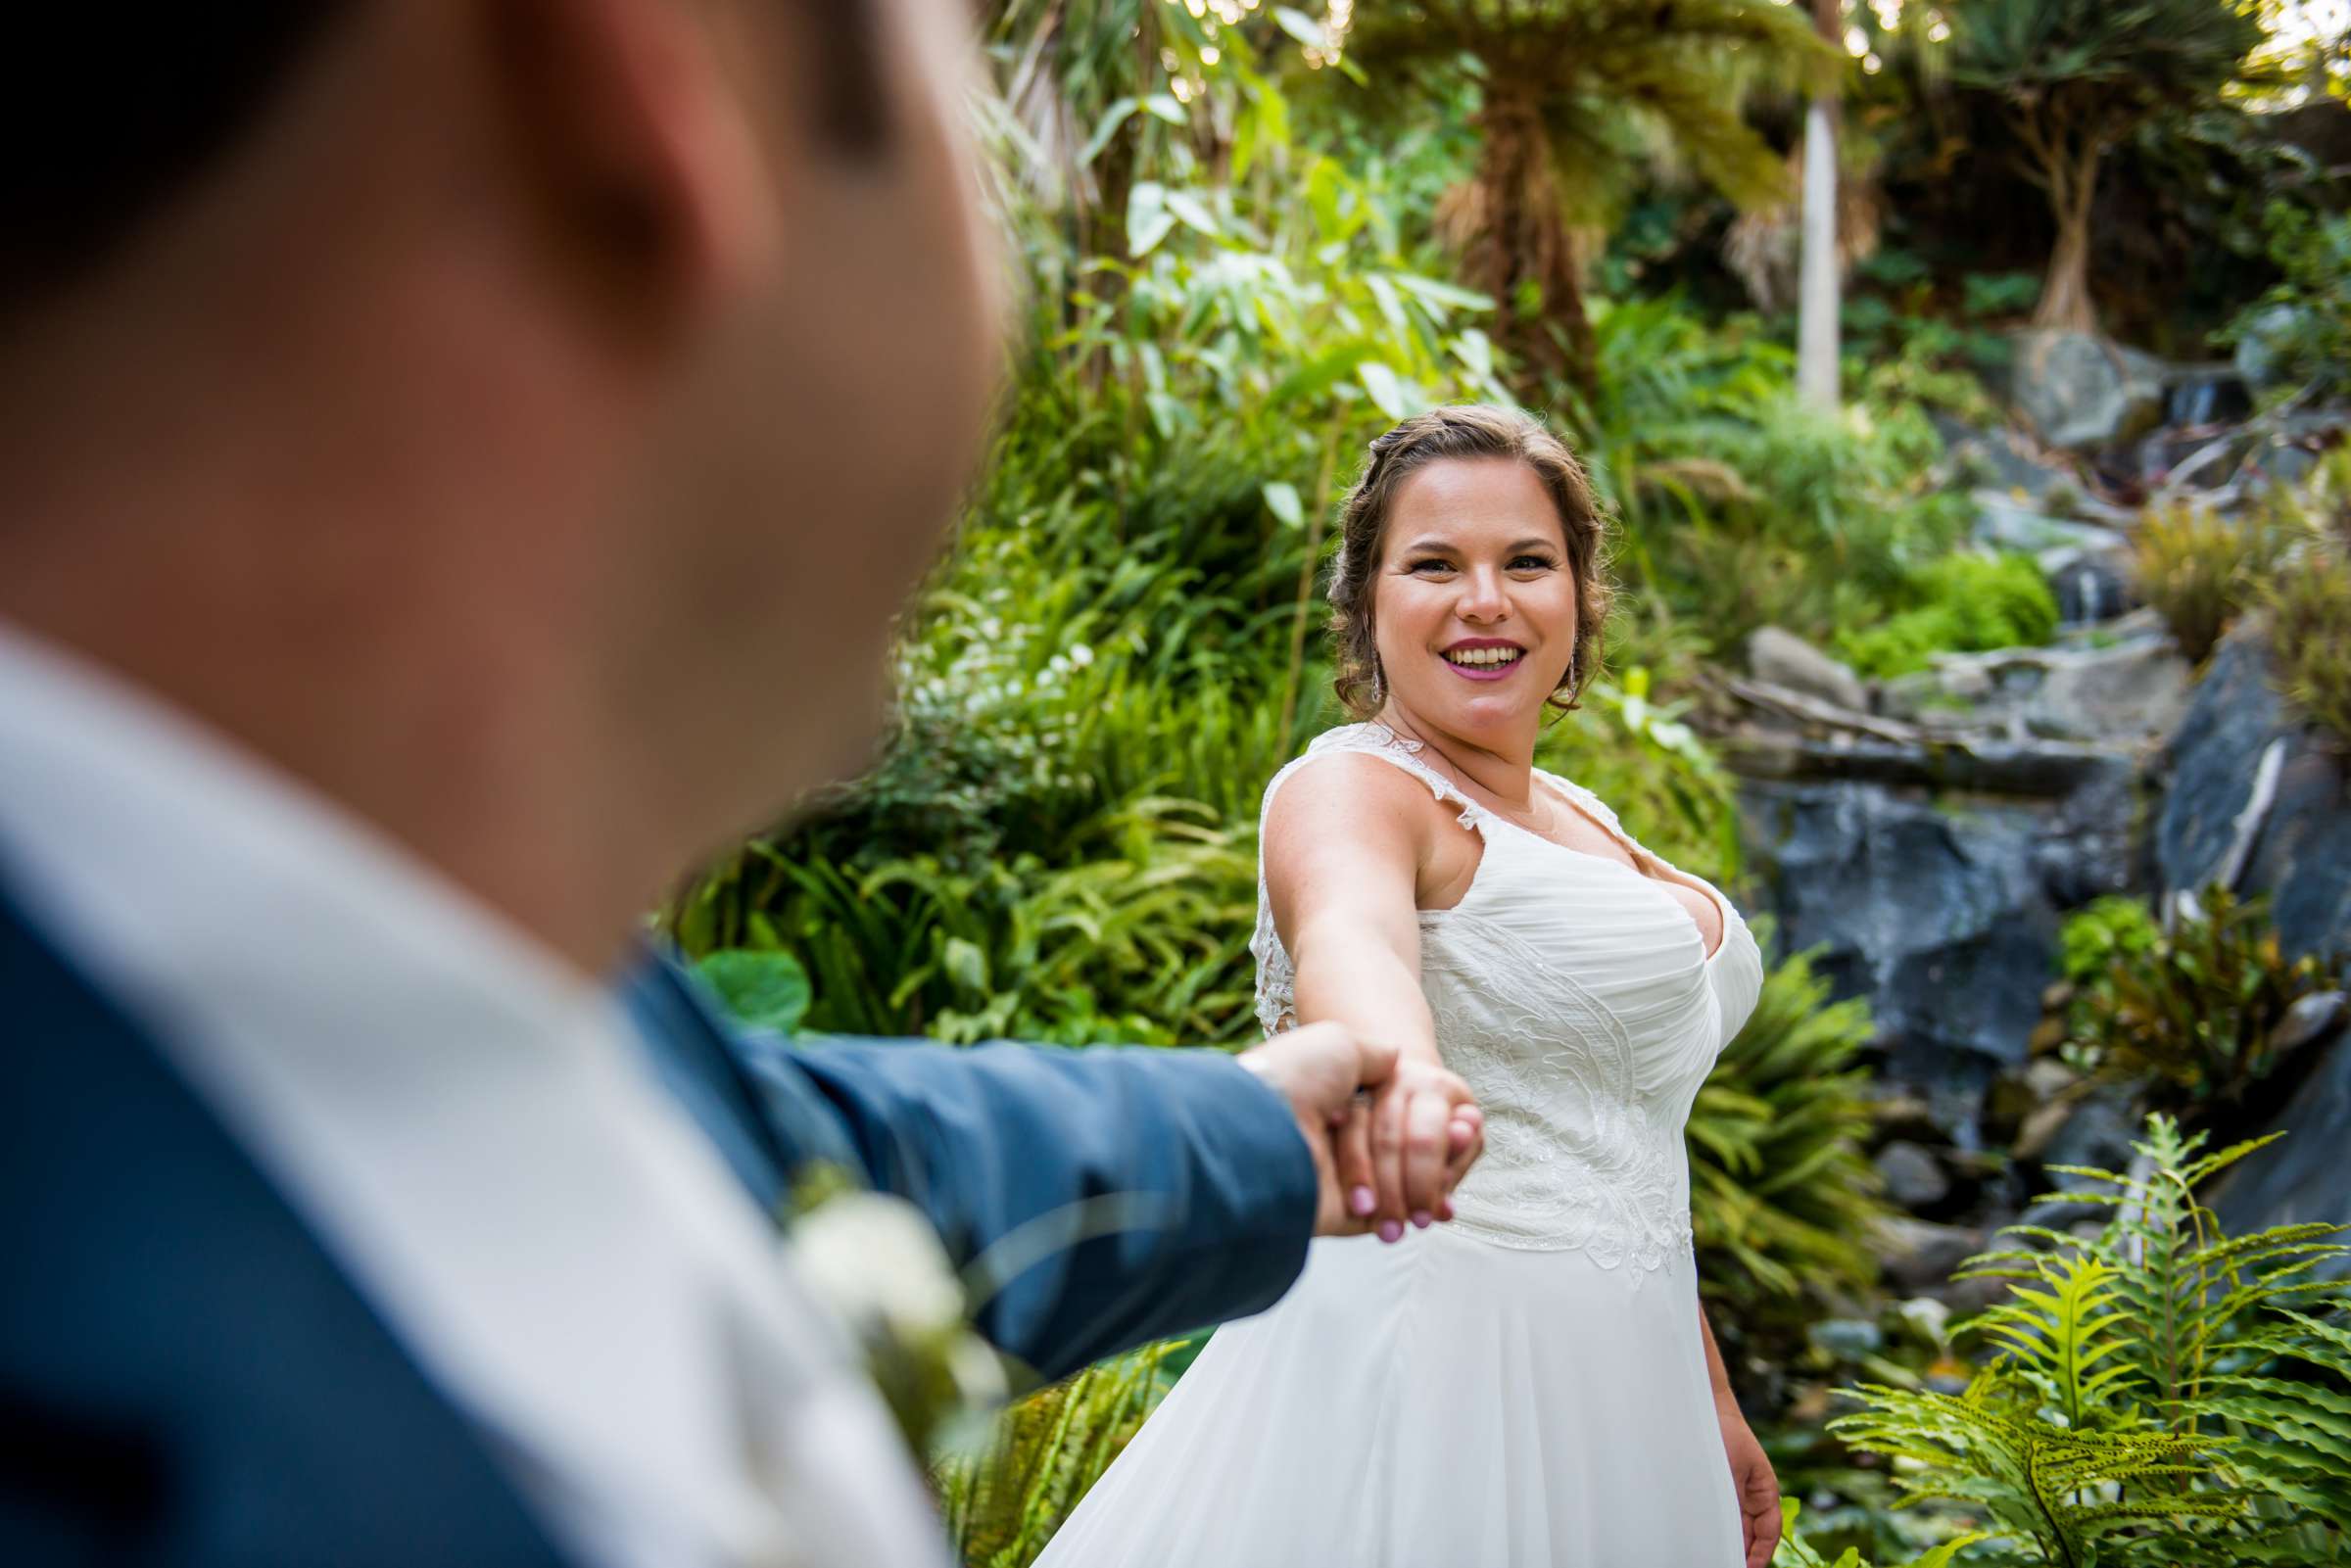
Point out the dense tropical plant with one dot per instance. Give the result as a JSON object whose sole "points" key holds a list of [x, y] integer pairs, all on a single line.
{"points": [[2160, 1394], [1783, 1200], [2074, 77], [1566, 87], [2192, 1014], [1964, 603], [1002, 1500]]}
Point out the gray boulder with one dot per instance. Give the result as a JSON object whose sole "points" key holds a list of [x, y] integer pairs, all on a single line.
{"points": [[2109, 693], [2294, 847], [1914, 1177], [1785, 660], [2076, 390], [2301, 1177]]}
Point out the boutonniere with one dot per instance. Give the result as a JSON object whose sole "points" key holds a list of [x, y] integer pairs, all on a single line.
{"points": [[876, 1261]]}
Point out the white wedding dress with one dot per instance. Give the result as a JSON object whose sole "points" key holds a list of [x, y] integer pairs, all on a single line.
{"points": [[1525, 1386]]}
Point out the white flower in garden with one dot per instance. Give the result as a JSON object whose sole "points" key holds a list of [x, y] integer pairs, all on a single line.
{"points": [[1080, 655], [873, 1259]]}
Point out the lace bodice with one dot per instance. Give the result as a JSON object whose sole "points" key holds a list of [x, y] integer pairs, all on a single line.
{"points": [[1575, 996]]}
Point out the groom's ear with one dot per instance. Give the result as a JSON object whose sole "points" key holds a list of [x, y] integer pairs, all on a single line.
{"points": [[655, 162]]}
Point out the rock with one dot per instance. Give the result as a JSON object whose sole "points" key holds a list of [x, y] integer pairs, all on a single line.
{"points": [[1914, 1178], [2098, 1133], [2110, 694], [2266, 343], [1941, 922], [1785, 660], [2045, 1079], [2041, 1124], [2002, 523], [2090, 589], [2299, 1178], [1846, 1339], [2298, 853], [2076, 390], [1999, 460], [1920, 1255], [2207, 395], [2311, 1018]]}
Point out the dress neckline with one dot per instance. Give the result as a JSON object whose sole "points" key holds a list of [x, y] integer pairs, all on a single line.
{"points": [[1569, 795]]}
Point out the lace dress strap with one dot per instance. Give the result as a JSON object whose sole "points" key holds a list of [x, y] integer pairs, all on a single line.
{"points": [[1275, 980]]}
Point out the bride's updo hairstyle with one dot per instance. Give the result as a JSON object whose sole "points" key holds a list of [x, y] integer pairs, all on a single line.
{"points": [[1470, 431]]}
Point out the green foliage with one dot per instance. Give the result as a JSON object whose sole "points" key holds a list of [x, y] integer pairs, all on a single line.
{"points": [[764, 990], [2161, 1393], [1795, 1552], [2112, 932], [2309, 600], [1002, 1500], [2200, 569], [2192, 1013], [2302, 326], [1964, 603], [1782, 1198]]}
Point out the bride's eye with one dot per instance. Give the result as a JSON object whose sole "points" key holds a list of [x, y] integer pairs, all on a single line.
{"points": [[1540, 563], [1423, 564]]}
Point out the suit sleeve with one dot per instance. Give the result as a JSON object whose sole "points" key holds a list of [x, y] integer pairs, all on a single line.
{"points": [[1135, 1192]]}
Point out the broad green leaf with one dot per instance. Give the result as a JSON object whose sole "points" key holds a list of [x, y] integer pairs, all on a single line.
{"points": [[1385, 387], [1106, 127], [1281, 500], [1165, 108], [1301, 26], [965, 965], [1147, 217], [762, 991], [1194, 211]]}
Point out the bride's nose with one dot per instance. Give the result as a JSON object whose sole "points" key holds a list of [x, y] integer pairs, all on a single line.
{"points": [[1483, 595]]}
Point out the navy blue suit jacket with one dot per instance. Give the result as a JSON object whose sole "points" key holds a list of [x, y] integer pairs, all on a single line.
{"points": [[187, 1377]]}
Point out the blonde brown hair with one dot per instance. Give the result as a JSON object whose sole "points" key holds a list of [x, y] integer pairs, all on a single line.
{"points": [[1463, 431]]}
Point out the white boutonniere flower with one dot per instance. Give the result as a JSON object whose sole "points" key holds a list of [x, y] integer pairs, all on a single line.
{"points": [[874, 1260]]}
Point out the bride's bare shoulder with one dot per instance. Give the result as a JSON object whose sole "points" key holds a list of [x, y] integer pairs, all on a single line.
{"points": [[1348, 798]]}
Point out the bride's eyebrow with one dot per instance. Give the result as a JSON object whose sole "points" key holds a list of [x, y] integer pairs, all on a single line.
{"points": [[1439, 547]]}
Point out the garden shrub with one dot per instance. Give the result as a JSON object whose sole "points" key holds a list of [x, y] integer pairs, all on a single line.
{"points": [[1965, 604], [2201, 569], [2191, 1013]]}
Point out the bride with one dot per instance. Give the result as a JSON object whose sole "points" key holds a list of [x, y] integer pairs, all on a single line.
{"points": [[1535, 1383]]}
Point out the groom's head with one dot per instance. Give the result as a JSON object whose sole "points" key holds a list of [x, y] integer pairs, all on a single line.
{"points": [[610, 364]]}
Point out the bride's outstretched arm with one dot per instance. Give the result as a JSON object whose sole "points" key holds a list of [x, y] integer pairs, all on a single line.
{"points": [[1751, 1478], [1344, 846]]}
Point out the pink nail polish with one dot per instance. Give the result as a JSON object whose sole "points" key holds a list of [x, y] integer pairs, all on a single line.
{"points": [[1391, 1231], [1420, 1218], [1359, 1203]]}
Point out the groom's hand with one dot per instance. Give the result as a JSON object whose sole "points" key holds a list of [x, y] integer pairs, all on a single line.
{"points": [[1339, 1089]]}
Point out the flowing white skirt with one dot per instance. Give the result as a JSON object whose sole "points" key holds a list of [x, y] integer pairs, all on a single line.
{"points": [[1440, 1403]]}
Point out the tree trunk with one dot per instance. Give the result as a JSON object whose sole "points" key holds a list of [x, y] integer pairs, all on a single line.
{"points": [[1816, 295], [1514, 242], [1816, 292], [2065, 304]]}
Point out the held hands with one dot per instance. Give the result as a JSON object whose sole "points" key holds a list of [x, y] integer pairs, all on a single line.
{"points": [[1390, 1136]]}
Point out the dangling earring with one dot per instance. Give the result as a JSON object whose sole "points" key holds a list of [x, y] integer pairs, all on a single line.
{"points": [[1379, 684]]}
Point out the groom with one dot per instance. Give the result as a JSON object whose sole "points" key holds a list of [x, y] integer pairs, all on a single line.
{"points": [[459, 460]]}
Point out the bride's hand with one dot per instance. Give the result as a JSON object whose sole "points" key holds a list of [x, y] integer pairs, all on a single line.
{"points": [[1758, 1489], [1340, 1089], [1417, 1138]]}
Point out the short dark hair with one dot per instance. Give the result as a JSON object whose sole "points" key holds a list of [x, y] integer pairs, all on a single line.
{"points": [[1461, 431], [94, 153], [112, 113]]}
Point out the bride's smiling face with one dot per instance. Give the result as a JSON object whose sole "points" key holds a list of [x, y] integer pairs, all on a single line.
{"points": [[1474, 614]]}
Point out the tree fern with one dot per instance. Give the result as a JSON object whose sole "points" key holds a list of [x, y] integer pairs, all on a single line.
{"points": [[2161, 1393]]}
